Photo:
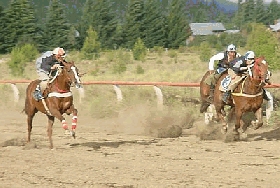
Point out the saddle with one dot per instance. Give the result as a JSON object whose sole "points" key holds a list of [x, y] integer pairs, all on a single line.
{"points": [[38, 94]]}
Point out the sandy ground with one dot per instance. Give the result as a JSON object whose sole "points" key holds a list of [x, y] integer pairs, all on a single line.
{"points": [[104, 155]]}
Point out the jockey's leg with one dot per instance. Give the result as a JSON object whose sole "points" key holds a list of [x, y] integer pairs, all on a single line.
{"points": [[211, 81], [43, 77]]}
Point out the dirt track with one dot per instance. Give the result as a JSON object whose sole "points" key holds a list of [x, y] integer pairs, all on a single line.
{"points": [[106, 156]]}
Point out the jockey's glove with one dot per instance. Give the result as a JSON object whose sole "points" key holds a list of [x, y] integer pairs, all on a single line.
{"points": [[243, 68]]}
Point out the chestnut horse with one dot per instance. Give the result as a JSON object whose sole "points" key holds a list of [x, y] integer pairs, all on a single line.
{"points": [[246, 97], [204, 93], [57, 101], [204, 97]]}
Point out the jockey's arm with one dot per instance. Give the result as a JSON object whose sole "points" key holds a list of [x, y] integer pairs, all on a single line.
{"points": [[238, 55], [214, 58]]}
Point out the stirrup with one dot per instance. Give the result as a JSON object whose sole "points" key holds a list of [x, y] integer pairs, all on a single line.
{"points": [[226, 96], [37, 95]]}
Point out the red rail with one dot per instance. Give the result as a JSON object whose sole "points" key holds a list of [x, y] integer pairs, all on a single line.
{"points": [[180, 84]]}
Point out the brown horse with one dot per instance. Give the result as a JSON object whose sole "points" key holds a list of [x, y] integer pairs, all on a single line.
{"points": [[205, 100], [57, 101], [204, 93], [246, 97]]}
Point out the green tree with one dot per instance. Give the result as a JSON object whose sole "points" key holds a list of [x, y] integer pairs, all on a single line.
{"points": [[91, 47], [86, 20], [19, 25], [154, 21], [2, 25], [177, 24], [238, 18], [104, 22], [248, 11], [133, 25], [261, 14], [139, 50], [57, 28], [262, 42], [72, 38], [273, 11]]}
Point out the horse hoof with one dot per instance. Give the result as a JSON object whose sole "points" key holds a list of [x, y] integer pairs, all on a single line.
{"points": [[67, 132], [258, 126], [73, 134], [236, 137], [243, 136], [224, 130]]}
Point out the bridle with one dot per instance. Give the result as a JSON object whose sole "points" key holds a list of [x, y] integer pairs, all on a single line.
{"points": [[70, 82]]}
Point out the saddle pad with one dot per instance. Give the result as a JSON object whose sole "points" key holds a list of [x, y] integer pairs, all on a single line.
{"points": [[225, 83], [54, 94]]}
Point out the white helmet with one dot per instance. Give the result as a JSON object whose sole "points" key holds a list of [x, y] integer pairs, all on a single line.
{"points": [[59, 50], [231, 48], [249, 55]]}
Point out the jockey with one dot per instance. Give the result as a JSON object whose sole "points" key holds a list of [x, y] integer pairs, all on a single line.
{"points": [[48, 61], [222, 66], [237, 68]]}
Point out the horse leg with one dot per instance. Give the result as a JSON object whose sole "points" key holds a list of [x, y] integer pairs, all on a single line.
{"points": [[259, 116], [50, 130], [74, 112], [237, 124], [29, 124], [221, 117]]}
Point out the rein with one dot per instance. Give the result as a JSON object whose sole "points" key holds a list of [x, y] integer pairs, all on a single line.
{"points": [[56, 83]]}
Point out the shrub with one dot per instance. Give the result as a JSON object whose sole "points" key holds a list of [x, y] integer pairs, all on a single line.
{"points": [[91, 47], [139, 50], [121, 60], [205, 51], [139, 70], [172, 53], [20, 55], [262, 42]]}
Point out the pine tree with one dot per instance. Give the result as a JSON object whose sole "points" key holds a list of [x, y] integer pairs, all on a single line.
{"points": [[154, 21], [57, 28], [273, 12], [91, 47], [2, 29], [248, 10], [19, 25], [238, 18], [86, 20], [261, 15], [177, 24], [133, 26], [104, 22]]}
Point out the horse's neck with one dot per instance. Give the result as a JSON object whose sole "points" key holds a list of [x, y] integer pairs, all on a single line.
{"points": [[252, 86], [60, 84]]}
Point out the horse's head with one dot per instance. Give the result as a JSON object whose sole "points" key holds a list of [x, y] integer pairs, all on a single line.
{"points": [[72, 74], [260, 70]]}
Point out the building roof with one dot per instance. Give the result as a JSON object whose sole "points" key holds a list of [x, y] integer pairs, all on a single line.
{"points": [[232, 31], [275, 27], [206, 28]]}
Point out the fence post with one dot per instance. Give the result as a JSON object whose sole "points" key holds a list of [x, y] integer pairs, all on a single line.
{"points": [[81, 93], [16, 92], [118, 93], [159, 97]]}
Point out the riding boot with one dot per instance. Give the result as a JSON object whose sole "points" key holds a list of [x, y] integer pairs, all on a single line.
{"points": [[226, 96], [38, 94]]}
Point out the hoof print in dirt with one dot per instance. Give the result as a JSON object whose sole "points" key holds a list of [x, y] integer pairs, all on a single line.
{"points": [[13, 142], [172, 131]]}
